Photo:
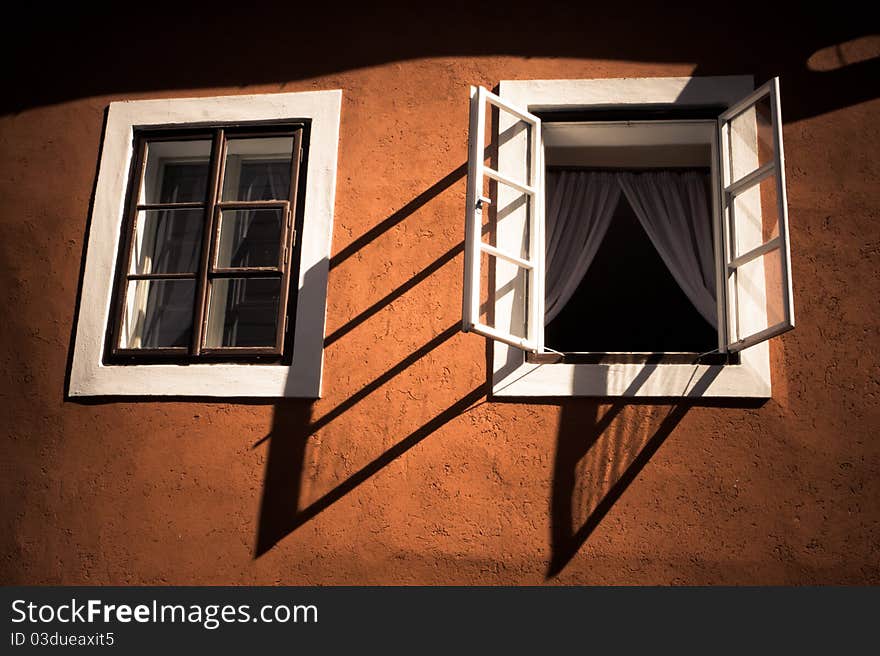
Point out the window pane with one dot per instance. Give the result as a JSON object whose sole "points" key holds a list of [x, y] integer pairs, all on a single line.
{"points": [[755, 215], [158, 313], [176, 172], [759, 294], [249, 238], [257, 169], [503, 293], [243, 312], [750, 139], [510, 213], [167, 241]]}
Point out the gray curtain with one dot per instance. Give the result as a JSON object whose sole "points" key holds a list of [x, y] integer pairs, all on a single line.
{"points": [[580, 205], [671, 207]]}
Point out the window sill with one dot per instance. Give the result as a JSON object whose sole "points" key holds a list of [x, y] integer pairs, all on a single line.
{"points": [[514, 376], [207, 380], [633, 358]]}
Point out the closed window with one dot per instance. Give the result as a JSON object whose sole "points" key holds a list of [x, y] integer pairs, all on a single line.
{"points": [[208, 248], [205, 269]]}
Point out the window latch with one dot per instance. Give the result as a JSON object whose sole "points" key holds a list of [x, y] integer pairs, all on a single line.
{"points": [[481, 200]]}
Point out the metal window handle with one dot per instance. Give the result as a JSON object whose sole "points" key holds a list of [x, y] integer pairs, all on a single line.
{"points": [[481, 200]]}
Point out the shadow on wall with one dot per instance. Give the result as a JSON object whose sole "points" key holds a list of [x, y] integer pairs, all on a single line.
{"points": [[600, 451], [293, 421], [119, 60], [598, 454], [101, 53], [280, 514]]}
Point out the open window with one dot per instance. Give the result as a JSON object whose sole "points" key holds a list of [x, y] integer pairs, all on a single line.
{"points": [[633, 249]]}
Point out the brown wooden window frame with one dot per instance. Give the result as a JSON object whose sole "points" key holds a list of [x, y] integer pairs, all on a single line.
{"points": [[213, 206]]}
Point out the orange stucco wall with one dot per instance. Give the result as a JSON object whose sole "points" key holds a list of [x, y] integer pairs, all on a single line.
{"points": [[405, 472]]}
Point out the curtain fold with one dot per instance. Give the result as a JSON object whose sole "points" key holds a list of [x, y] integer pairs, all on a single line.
{"points": [[672, 209], [580, 205]]}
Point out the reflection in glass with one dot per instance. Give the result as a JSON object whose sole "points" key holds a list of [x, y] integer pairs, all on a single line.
{"points": [[750, 139], [167, 241], [257, 169], [756, 215], [158, 313], [176, 171], [506, 298], [243, 312], [249, 238], [760, 294]]}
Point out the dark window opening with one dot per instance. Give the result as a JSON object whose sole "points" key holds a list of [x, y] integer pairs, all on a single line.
{"points": [[628, 301]]}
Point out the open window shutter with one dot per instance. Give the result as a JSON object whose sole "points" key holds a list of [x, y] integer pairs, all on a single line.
{"points": [[503, 295], [755, 215]]}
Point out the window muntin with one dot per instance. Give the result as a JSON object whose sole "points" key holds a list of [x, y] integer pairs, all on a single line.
{"points": [[208, 271]]}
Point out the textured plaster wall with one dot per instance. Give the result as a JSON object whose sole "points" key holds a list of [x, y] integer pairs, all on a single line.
{"points": [[404, 472]]}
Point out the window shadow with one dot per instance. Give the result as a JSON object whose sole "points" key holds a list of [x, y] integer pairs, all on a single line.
{"points": [[411, 207], [601, 449], [294, 421], [280, 511], [435, 266]]}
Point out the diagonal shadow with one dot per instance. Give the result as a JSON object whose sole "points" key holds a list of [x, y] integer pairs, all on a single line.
{"points": [[379, 381], [294, 421], [435, 266], [292, 426], [584, 432], [280, 514], [416, 203], [578, 436]]}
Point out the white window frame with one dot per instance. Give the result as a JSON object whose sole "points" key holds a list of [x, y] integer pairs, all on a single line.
{"points": [[302, 378], [512, 375]]}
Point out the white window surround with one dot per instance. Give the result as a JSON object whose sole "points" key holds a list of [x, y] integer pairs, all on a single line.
{"points": [[512, 375], [302, 378]]}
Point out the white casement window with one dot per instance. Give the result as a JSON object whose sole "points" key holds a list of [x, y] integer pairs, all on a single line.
{"points": [[208, 248], [628, 237]]}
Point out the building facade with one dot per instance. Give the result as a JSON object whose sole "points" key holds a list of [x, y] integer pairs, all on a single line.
{"points": [[410, 468]]}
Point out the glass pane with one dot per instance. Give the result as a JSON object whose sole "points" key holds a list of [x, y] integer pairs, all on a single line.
{"points": [[250, 238], [509, 214], [158, 313], [243, 312], [176, 172], [750, 139], [760, 301], [167, 241], [516, 136], [257, 169], [510, 285], [755, 216]]}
